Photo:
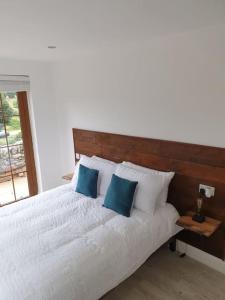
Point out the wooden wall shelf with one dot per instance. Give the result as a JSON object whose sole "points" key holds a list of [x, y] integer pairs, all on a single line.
{"points": [[206, 228]]}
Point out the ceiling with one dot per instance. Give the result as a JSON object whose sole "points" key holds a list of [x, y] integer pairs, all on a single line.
{"points": [[27, 27]]}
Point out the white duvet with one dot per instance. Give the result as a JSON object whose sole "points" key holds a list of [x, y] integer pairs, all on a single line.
{"points": [[62, 245]]}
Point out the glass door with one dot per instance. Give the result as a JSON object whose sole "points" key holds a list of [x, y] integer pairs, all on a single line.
{"points": [[17, 168]]}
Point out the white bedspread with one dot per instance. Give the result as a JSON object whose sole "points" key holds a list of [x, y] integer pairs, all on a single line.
{"points": [[62, 245]]}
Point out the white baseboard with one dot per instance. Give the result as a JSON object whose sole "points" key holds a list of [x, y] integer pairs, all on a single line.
{"points": [[201, 256]]}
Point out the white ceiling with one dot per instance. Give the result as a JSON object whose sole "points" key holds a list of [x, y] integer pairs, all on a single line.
{"points": [[27, 27]]}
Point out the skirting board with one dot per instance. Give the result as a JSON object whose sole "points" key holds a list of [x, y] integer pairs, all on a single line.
{"points": [[201, 256]]}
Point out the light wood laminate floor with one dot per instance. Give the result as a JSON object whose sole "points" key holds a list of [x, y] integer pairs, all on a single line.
{"points": [[166, 276]]}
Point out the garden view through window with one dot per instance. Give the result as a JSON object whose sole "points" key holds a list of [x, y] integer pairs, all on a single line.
{"points": [[14, 181]]}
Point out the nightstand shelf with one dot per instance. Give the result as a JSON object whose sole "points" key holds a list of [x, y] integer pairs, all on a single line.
{"points": [[206, 228], [68, 177], [199, 235]]}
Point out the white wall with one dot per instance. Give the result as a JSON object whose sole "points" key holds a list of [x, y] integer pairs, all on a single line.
{"points": [[43, 117], [203, 257], [172, 88]]}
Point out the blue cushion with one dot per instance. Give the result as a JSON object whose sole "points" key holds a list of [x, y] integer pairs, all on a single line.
{"points": [[120, 195], [87, 181]]}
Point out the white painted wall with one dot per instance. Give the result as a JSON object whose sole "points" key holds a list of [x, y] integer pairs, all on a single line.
{"points": [[43, 117], [170, 88], [203, 257]]}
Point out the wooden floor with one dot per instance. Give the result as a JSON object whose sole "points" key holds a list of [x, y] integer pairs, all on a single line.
{"points": [[166, 276]]}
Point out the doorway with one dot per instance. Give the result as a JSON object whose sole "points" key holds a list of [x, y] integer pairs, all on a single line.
{"points": [[17, 165]]}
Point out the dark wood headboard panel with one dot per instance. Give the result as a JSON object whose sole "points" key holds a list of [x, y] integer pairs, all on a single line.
{"points": [[193, 164]]}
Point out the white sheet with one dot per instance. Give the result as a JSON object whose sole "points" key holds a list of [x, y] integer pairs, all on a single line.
{"points": [[61, 245]]}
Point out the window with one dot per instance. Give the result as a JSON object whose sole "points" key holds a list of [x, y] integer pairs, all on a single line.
{"points": [[17, 167]]}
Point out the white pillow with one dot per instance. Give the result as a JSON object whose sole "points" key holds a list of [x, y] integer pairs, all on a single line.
{"points": [[105, 172], [148, 188], [105, 160], [167, 177]]}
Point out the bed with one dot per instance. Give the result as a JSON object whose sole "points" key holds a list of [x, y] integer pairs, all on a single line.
{"points": [[193, 164], [63, 245]]}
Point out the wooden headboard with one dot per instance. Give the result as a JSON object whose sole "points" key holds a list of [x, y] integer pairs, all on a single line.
{"points": [[193, 164]]}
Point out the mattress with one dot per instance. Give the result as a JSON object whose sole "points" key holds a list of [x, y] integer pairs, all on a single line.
{"points": [[62, 245]]}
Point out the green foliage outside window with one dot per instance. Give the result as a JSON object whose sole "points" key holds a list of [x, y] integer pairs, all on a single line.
{"points": [[6, 109]]}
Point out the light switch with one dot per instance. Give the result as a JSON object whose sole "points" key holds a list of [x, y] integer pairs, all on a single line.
{"points": [[209, 190]]}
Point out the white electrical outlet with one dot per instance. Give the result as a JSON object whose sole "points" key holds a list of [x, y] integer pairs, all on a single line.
{"points": [[209, 190]]}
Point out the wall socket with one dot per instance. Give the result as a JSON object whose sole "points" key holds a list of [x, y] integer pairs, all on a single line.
{"points": [[209, 190]]}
